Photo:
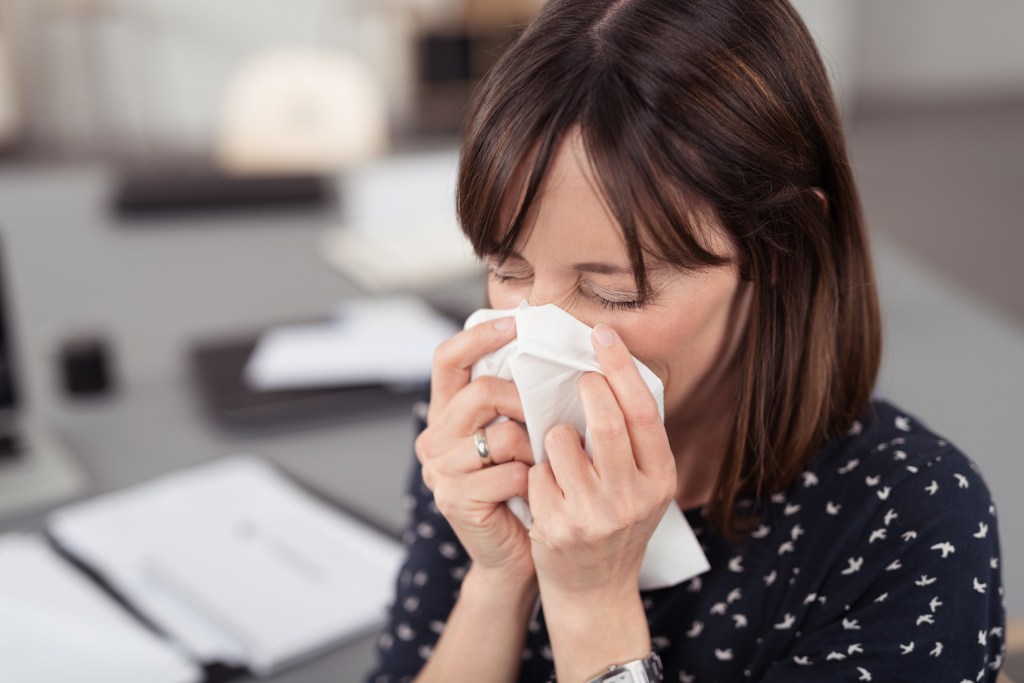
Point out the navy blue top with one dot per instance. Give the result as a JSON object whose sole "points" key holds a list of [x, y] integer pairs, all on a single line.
{"points": [[881, 562]]}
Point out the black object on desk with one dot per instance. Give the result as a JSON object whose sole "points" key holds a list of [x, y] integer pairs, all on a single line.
{"points": [[218, 369], [156, 190]]}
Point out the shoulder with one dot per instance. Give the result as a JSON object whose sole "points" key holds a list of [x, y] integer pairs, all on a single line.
{"points": [[891, 458]]}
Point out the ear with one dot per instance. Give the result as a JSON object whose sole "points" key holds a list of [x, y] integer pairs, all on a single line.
{"points": [[820, 194]]}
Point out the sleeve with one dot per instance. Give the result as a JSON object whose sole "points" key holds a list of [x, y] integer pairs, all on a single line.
{"points": [[926, 603], [426, 590]]}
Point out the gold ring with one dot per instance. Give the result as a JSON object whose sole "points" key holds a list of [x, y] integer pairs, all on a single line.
{"points": [[480, 439]]}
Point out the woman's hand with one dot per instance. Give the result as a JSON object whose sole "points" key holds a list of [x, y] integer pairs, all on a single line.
{"points": [[470, 496], [592, 520]]}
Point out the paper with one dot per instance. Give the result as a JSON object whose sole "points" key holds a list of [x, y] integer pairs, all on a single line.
{"points": [[551, 352], [369, 341], [56, 625], [236, 563], [400, 228]]}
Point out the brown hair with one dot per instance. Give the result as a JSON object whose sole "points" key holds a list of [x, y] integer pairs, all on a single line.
{"points": [[722, 104]]}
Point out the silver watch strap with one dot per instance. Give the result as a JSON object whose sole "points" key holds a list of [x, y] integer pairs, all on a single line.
{"points": [[646, 670]]}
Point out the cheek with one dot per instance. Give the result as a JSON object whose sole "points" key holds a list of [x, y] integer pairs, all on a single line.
{"points": [[502, 295]]}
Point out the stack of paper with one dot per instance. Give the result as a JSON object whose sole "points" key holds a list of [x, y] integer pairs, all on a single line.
{"points": [[56, 625], [236, 562], [368, 341], [400, 228]]}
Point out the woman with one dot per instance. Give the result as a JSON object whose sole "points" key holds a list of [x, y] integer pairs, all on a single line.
{"points": [[673, 174]]}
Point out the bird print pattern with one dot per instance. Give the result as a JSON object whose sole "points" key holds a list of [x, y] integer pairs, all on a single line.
{"points": [[880, 563]]}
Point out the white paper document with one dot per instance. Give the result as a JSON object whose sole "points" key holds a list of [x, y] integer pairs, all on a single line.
{"points": [[236, 562], [400, 228], [381, 340], [56, 625], [551, 352]]}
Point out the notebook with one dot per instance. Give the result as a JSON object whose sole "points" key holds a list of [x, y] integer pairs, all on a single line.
{"points": [[236, 563]]}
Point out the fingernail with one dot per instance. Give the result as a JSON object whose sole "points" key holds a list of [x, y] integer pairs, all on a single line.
{"points": [[503, 324], [604, 335]]}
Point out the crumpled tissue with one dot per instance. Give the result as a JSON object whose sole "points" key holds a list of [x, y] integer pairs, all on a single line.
{"points": [[551, 352]]}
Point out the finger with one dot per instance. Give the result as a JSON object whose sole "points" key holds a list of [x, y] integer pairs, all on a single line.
{"points": [[569, 462], [505, 441], [639, 408], [613, 452], [489, 485], [454, 358], [543, 492], [479, 402]]}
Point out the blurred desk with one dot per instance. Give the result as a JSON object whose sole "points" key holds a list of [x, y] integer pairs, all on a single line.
{"points": [[154, 288]]}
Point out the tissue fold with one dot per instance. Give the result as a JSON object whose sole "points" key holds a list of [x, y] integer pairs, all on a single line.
{"points": [[551, 352]]}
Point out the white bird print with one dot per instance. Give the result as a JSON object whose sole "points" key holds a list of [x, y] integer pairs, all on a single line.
{"points": [[946, 548], [906, 649], [865, 675], [786, 623], [695, 630], [791, 509], [686, 678], [718, 608], [723, 655], [962, 481], [932, 487], [899, 455], [855, 428], [925, 619], [872, 481], [996, 631], [734, 595], [937, 650], [736, 564], [769, 579], [882, 597], [854, 564], [786, 547], [811, 597], [835, 656], [741, 620], [855, 648], [934, 604], [889, 516], [978, 586], [761, 531], [909, 535], [903, 423], [796, 532], [877, 535], [695, 585], [893, 566], [778, 498], [849, 466], [912, 469], [832, 509], [925, 580], [883, 494], [851, 624], [802, 660], [982, 637], [982, 530], [810, 479], [994, 563]]}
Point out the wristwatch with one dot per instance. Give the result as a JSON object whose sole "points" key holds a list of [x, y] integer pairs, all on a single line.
{"points": [[646, 670]]}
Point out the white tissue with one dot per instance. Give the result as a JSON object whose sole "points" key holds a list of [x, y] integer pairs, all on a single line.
{"points": [[551, 352]]}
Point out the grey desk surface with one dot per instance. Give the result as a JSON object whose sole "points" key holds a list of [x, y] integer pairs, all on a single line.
{"points": [[153, 289]]}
